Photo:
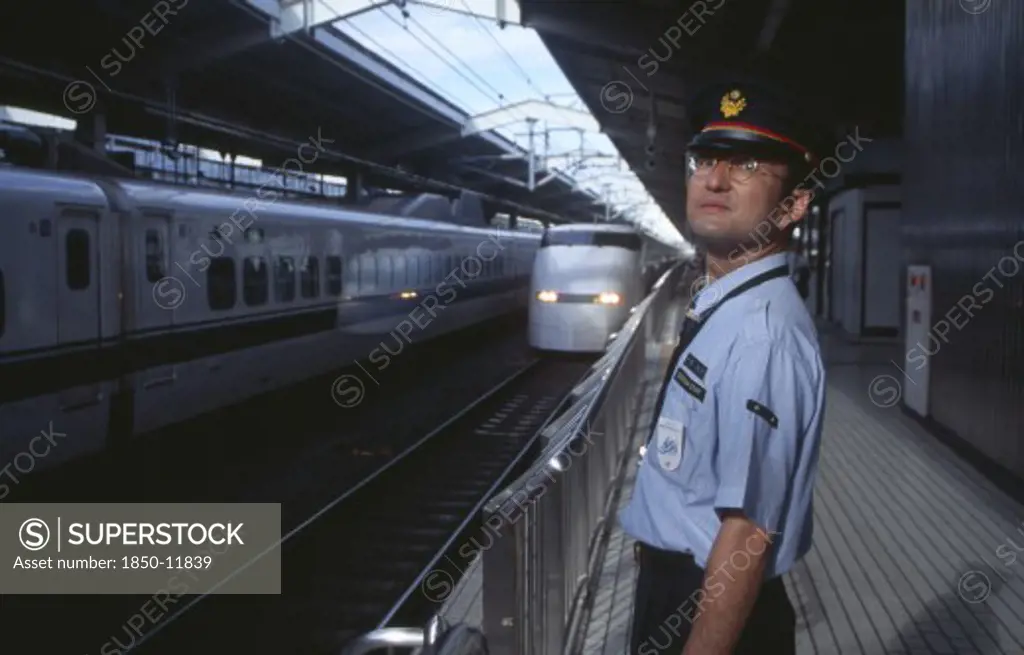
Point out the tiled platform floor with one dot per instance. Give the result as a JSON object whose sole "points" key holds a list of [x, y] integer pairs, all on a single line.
{"points": [[914, 551]]}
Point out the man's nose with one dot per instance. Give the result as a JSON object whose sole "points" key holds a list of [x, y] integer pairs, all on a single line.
{"points": [[718, 177]]}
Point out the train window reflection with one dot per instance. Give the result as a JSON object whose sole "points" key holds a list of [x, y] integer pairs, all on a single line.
{"points": [[154, 256], [584, 238], [334, 275], [220, 283], [284, 280], [310, 282], [77, 259]]}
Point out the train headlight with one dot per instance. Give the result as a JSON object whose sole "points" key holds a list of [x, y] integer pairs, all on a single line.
{"points": [[547, 296], [408, 295], [608, 298]]}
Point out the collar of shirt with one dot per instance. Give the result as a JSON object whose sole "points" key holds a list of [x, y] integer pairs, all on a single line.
{"points": [[715, 291]]}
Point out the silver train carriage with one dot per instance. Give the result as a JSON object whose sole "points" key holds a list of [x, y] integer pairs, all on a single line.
{"points": [[586, 279], [127, 306]]}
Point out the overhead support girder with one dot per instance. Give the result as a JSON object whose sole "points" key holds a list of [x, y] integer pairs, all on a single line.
{"points": [[536, 184], [473, 159], [295, 15], [535, 110], [432, 137]]}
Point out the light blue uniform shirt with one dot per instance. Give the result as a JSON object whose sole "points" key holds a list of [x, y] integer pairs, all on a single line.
{"points": [[741, 430]]}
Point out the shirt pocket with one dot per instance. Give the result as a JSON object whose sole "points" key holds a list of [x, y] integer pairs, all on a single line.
{"points": [[695, 475]]}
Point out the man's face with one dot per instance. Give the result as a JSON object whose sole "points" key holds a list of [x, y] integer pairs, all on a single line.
{"points": [[729, 198]]}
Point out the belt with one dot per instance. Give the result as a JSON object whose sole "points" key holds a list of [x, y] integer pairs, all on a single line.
{"points": [[642, 551]]}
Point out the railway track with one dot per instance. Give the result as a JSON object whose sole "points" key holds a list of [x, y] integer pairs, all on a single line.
{"points": [[360, 558], [296, 447]]}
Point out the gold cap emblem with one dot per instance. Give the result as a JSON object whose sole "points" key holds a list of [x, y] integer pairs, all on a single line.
{"points": [[733, 103]]}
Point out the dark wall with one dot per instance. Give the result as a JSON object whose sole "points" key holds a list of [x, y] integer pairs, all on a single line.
{"points": [[964, 211]]}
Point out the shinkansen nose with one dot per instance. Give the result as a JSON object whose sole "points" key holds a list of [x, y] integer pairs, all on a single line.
{"points": [[603, 298]]}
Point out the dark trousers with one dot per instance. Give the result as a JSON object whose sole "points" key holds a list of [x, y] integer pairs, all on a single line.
{"points": [[667, 602]]}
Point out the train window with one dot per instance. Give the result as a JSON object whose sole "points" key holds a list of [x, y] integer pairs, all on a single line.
{"points": [[353, 276], [255, 281], [334, 275], [310, 278], [367, 274], [77, 258], [284, 280], [409, 266], [220, 283], [584, 238], [399, 274], [385, 273], [3, 304], [154, 256]]}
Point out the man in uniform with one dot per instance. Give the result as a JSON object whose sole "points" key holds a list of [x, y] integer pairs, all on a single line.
{"points": [[722, 502]]}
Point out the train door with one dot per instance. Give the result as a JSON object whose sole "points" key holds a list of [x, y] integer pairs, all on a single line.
{"points": [[78, 280], [78, 306], [159, 293]]}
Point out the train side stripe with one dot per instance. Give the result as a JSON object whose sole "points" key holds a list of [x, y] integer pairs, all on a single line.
{"points": [[56, 369]]}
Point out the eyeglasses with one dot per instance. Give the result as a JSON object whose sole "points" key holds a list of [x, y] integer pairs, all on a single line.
{"points": [[740, 168]]}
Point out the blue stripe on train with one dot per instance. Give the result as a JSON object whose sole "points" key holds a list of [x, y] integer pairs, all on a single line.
{"points": [[51, 370]]}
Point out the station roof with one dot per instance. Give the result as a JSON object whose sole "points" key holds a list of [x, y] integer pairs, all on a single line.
{"points": [[212, 74], [635, 62]]}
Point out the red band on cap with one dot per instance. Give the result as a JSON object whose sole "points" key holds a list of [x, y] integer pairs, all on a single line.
{"points": [[744, 127]]}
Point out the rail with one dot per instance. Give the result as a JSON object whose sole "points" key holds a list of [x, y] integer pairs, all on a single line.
{"points": [[549, 522]]}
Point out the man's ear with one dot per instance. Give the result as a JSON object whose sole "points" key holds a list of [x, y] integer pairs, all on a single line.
{"points": [[793, 208]]}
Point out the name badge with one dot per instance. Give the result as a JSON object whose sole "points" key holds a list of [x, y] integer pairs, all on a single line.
{"points": [[668, 437]]}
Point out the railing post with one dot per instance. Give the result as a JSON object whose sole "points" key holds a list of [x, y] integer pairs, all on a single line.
{"points": [[552, 565], [502, 591]]}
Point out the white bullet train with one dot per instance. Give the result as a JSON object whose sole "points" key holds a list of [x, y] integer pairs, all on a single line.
{"points": [[126, 306], [585, 280]]}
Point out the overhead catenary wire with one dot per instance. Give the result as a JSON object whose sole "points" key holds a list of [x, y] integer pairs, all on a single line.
{"points": [[515, 64], [462, 69], [455, 68], [498, 98], [394, 57]]}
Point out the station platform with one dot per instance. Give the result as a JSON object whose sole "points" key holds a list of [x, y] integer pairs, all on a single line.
{"points": [[914, 550]]}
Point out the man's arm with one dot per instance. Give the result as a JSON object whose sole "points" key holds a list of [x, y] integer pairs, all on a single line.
{"points": [[735, 570], [762, 407]]}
